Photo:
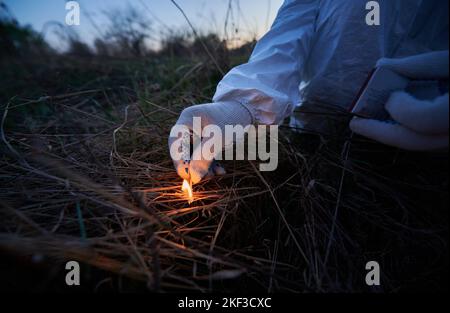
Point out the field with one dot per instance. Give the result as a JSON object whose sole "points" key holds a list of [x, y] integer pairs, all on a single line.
{"points": [[85, 175]]}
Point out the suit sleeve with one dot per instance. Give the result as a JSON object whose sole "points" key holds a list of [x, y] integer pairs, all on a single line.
{"points": [[268, 84]]}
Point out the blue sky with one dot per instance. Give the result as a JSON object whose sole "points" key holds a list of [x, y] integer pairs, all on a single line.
{"points": [[251, 17]]}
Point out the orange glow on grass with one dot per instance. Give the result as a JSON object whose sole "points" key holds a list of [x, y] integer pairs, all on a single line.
{"points": [[187, 189]]}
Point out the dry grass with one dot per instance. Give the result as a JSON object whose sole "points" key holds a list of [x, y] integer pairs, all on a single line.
{"points": [[91, 180]]}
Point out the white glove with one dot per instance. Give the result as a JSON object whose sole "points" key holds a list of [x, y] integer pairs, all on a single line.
{"points": [[418, 124], [219, 114]]}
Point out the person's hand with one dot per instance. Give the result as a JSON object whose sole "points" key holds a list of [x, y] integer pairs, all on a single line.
{"points": [[219, 114], [418, 124]]}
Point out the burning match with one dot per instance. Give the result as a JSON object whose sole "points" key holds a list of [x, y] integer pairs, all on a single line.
{"points": [[187, 189]]}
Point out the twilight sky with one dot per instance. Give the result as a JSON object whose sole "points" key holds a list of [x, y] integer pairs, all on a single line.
{"points": [[251, 17]]}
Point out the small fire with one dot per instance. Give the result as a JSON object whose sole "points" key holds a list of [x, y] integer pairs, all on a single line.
{"points": [[187, 189]]}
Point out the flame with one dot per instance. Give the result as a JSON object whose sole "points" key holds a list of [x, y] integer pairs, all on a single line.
{"points": [[187, 189]]}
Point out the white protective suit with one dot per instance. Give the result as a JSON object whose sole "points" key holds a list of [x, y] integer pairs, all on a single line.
{"points": [[316, 57], [320, 52]]}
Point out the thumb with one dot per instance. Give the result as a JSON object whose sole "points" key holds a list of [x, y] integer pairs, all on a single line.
{"points": [[204, 155], [432, 65], [397, 136], [198, 169], [428, 117]]}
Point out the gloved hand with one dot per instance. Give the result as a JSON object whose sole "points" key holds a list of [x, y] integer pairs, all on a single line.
{"points": [[219, 114], [418, 124]]}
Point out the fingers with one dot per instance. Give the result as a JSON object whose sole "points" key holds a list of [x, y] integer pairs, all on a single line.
{"points": [[195, 170], [179, 141], [206, 124], [428, 117], [204, 154], [397, 135], [182, 168], [198, 170], [433, 65]]}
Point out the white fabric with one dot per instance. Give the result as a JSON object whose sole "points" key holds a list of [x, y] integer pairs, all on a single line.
{"points": [[219, 114], [318, 53], [432, 65], [420, 124], [397, 135], [424, 116], [326, 48]]}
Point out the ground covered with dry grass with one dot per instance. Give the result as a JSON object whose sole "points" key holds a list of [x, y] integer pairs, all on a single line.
{"points": [[85, 175]]}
